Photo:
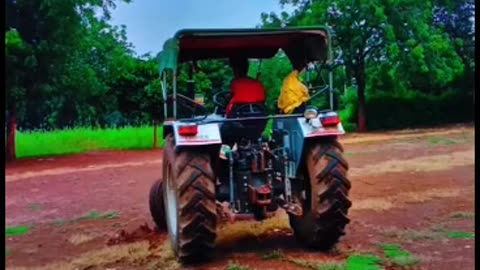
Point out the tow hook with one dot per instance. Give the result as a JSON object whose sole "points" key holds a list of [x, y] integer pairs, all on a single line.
{"points": [[224, 213], [290, 207]]}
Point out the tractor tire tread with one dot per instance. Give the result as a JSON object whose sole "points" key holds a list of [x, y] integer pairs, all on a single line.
{"points": [[330, 186], [157, 209], [197, 211]]}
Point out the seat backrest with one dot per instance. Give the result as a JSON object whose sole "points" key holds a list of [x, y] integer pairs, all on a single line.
{"points": [[248, 110], [250, 129]]}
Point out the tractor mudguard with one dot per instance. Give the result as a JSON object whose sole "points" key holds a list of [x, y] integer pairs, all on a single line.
{"points": [[189, 134], [297, 131]]}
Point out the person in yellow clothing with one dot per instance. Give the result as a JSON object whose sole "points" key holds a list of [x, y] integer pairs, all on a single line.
{"points": [[294, 94]]}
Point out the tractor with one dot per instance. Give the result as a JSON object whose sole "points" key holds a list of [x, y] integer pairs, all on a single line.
{"points": [[218, 167]]}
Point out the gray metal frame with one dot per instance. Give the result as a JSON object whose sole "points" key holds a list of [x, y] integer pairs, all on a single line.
{"points": [[174, 90]]}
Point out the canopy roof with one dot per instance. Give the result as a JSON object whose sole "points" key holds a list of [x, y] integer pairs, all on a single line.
{"points": [[301, 44]]}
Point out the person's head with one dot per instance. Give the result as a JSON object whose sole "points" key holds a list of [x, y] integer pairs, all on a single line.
{"points": [[299, 66], [239, 66], [302, 69]]}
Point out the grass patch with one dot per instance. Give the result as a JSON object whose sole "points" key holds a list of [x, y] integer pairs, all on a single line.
{"points": [[413, 235], [16, 231], [330, 266], [236, 267], [81, 140], [460, 235], [404, 261], [463, 215], [363, 262], [303, 263], [354, 262], [59, 222], [397, 256], [437, 233], [386, 203], [439, 228], [93, 215], [453, 235], [279, 255], [441, 141], [274, 255], [35, 207], [317, 266], [8, 252], [429, 163]]}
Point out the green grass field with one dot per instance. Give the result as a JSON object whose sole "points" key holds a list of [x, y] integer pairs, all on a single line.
{"points": [[80, 140], [32, 144]]}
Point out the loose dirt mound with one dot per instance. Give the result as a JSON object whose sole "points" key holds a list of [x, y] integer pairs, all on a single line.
{"points": [[142, 233]]}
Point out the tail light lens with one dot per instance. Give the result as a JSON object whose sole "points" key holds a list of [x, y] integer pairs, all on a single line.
{"points": [[188, 130], [329, 121]]}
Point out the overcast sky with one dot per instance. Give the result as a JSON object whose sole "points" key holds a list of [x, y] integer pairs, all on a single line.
{"points": [[150, 22]]}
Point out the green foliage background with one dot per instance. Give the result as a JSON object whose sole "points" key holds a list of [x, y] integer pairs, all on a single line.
{"points": [[67, 67]]}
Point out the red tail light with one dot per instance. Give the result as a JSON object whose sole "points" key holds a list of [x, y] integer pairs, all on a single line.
{"points": [[328, 121], [189, 130]]}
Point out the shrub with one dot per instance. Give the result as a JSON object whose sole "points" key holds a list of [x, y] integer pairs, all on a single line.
{"points": [[409, 109]]}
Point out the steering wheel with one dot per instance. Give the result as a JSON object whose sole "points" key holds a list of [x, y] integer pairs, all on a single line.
{"points": [[221, 98]]}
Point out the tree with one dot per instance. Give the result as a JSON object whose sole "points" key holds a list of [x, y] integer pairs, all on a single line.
{"points": [[18, 58], [383, 34], [456, 18], [272, 73], [45, 45], [356, 33]]}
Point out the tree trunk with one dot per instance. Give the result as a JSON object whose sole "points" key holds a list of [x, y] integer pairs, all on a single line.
{"points": [[473, 116], [360, 77], [155, 141], [11, 128], [473, 90]]}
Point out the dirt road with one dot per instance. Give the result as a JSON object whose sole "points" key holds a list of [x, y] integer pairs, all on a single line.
{"points": [[411, 189]]}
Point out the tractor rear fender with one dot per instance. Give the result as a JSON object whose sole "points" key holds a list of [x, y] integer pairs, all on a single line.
{"points": [[297, 132], [192, 134], [204, 138]]}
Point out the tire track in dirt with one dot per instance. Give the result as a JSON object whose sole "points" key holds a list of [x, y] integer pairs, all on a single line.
{"points": [[66, 170], [420, 164], [123, 177], [356, 139], [379, 137], [398, 201]]}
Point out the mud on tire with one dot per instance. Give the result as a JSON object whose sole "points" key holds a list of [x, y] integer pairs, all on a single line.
{"points": [[189, 176], [157, 208], [326, 205]]}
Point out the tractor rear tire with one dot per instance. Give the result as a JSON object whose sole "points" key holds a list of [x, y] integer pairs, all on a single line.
{"points": [[190, 203], [157, 208], [326, 205]]}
